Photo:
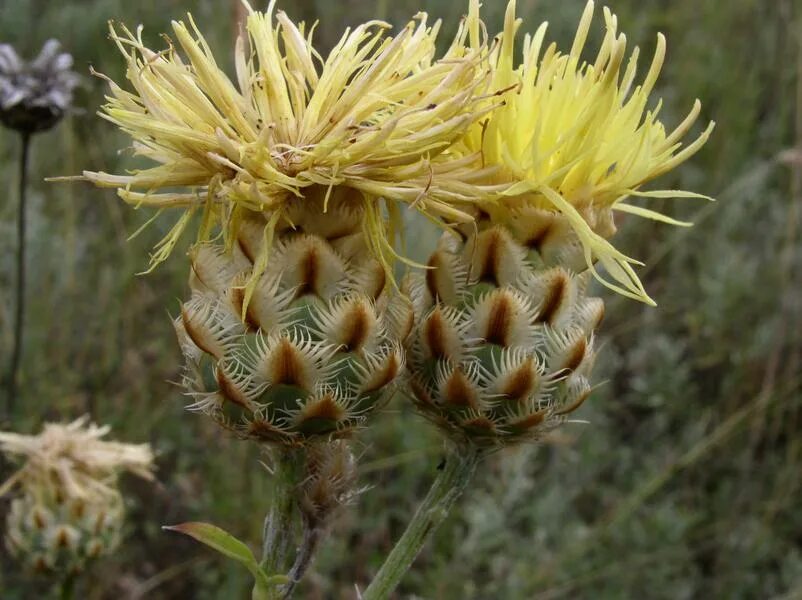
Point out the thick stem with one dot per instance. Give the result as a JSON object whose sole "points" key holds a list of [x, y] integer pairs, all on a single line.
{"points": [[446, 489], [278, 525], [16, 355]]}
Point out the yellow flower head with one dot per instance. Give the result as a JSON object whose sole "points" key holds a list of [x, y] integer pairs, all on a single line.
{"points": [[577, 136], [73, 459], [377, 116]]}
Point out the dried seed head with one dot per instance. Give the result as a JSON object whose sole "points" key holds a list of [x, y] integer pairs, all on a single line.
{"points": [[35, 95], [69, 509], [50, 536], [73, 459]]}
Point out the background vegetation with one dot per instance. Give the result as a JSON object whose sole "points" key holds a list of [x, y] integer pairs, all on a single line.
{"points": [[684, 484]]}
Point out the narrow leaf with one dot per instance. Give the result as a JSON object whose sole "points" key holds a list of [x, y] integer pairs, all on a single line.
{"points": [[649, 214], [669, 194], [228, 545], [219, 540]]}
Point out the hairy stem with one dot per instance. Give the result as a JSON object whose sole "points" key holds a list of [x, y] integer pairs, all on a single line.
{"points": [[278, 525], [16, 355], [446, 489]]}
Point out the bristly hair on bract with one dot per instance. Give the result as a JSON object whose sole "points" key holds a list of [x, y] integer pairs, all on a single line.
{"points": [[317, 350], [379, 115], [576, 137]]}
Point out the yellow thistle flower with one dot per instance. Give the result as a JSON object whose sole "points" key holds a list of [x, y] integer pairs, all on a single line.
{"points": [[504, 344], [378, 115], [577, 136]]}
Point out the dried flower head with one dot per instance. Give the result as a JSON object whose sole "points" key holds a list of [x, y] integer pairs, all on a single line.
{"points": [[69, 510], [53, 534], [74, 458], [35, 95], [578, 137], [378, 115]]}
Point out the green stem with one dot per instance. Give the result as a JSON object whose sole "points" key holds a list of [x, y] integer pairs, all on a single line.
{"points": [[16, 355], [446, 489], [68, 588], [278, 525]]}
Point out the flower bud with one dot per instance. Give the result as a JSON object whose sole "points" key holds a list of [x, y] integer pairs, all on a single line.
{"points": [[330, 481]]}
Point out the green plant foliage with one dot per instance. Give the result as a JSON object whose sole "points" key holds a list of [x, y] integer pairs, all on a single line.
{"points": [[229, 546]]}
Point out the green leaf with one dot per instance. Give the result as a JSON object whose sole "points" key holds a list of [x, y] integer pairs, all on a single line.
{"points": [[216, 538], [228, 545]]}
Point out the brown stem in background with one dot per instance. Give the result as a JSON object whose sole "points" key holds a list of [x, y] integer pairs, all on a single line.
{"points": [[19, 317]]}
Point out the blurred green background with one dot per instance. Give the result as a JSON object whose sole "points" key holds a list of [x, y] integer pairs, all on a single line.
{"points": [[683, 483]]}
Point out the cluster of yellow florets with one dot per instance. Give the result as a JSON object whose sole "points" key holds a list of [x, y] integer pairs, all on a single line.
{"points": [[298, 167], [577, 136], [385, 116]]}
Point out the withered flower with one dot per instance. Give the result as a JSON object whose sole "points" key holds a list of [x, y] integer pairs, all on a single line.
{"points": [[35, 95], [69, 509]]}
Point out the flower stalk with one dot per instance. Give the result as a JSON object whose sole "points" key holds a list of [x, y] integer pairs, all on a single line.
{"points": [[19, 314], [34, 96], [278, 524], [449, 485]]}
